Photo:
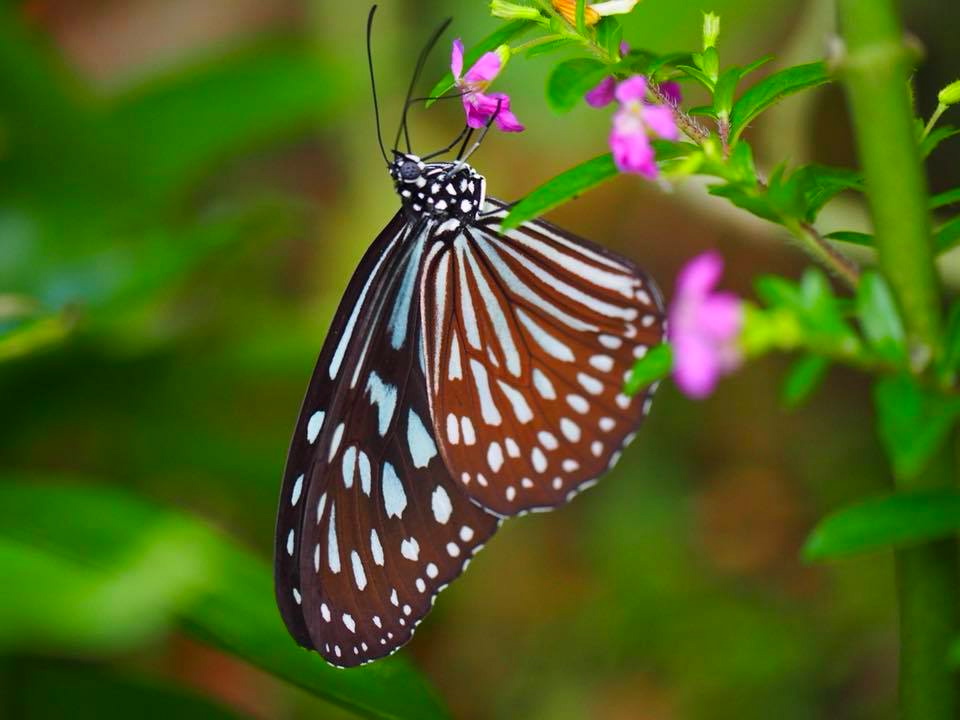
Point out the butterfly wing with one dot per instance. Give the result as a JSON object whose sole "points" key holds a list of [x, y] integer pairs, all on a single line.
{"points": [[529, 336], [371, 525]]}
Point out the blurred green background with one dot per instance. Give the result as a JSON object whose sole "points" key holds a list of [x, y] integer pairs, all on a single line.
{"points": [[185, 189]]}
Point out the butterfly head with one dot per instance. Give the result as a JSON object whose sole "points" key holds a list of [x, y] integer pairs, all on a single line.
{"points": [[438, 190]]}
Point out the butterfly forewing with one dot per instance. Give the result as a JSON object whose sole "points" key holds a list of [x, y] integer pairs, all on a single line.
{"points": [[529, 336], [371, 524]]}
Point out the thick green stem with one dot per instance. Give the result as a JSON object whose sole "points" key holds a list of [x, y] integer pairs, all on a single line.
{"points": [[929, 592], [875, 71]]}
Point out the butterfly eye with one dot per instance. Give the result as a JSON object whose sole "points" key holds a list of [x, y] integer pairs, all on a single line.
{"points": [[409, 171]]}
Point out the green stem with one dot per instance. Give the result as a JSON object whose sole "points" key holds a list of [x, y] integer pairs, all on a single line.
{"points": [[876, 72], [941, 108], [823, 252], [927, 585]]}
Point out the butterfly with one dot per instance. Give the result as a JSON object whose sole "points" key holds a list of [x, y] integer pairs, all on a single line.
{"points": [[470, 374]]}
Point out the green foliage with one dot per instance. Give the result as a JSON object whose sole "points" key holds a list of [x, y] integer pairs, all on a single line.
{"points": [[119, 557], [899, 520], [879, 318], [653, 366], [571, 79], [913, 421], [773, 89], [804, 377], [565, 186]]}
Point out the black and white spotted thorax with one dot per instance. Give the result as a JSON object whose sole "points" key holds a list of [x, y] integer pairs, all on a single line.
{"points": [[441, 191]]}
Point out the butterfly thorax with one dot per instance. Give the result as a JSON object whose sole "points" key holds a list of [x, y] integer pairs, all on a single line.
{"points": [[439, 191]]}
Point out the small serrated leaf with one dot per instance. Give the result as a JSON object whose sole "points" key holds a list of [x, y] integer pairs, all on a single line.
{"points": [[773, 88]]}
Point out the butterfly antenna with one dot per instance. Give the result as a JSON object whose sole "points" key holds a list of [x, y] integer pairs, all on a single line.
{"points": [[421, 61], [373, 83]]}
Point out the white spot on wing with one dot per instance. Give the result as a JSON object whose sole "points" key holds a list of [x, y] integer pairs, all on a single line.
{"points": [[520, 406], [384, 396], [410, 549], [422, 447], [376, 549], [394, 498], [359, 576], [297, 489], [314, 425], [543, 385], [333, 551], [440, 503]]}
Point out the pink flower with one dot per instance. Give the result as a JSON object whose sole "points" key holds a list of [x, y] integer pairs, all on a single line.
{"points": [[704, 326], [479, 105], [633, 124]]}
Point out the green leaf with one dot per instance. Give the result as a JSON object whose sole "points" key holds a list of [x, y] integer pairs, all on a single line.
{"points": [[772, 89], [913, 422], [879, 317], [887, 522], [947, 236], [945, 198], [503, 34], [756, 65], [951, 355], [776, 291], [570, 80], [748, 197], [723, 91], [697, 75], [549, 47], [804, 377], [849, 236], [563, 187], [653, 366], [100, 531], [610, 35], [937, 136], [816, 185]]}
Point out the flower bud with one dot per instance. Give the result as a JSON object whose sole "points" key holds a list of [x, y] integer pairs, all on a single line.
{"points": [[711, 29], [950, 95], [513, 11]]}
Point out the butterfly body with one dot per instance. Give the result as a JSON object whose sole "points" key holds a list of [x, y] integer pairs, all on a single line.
{"points": [[441, 191]]}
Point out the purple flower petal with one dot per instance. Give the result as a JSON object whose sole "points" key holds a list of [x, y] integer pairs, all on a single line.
{"points": [[699, 276], [672, 92], [659, 119], [632, 89], [696, 367], [480, 107], [484, 70], [456, 59], [704, 326], [631, 147], [603, 94]]}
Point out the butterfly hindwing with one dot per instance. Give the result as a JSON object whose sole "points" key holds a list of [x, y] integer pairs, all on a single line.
{"points": [[371, 525], [529, 336]]}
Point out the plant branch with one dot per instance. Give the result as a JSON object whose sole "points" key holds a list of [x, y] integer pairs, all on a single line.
{"points": [[821, 250], [876, 71]]}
